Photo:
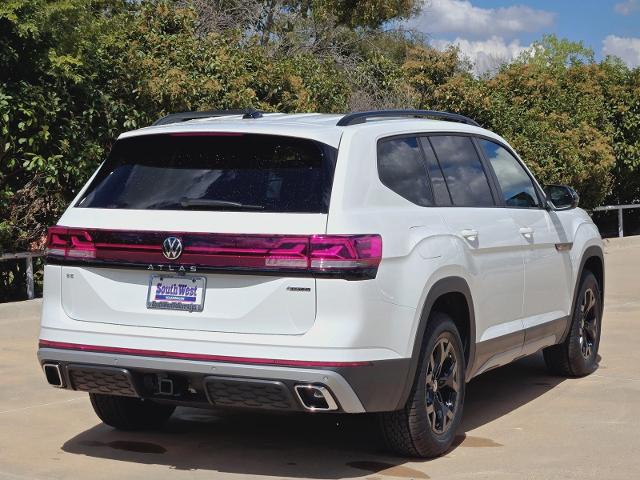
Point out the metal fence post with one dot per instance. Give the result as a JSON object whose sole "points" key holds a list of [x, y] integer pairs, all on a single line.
{"points": [[620, 209], [28, 260], [620, 223], [30, 287]]}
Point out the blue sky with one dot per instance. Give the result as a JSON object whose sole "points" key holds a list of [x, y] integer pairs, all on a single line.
{"points": [[492, 31]]}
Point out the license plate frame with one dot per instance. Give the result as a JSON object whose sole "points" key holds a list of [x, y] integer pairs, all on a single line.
{"points": [[176, 301]]}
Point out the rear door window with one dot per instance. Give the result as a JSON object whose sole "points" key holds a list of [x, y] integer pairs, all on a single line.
{"points": [[225, 171], [401, 169], [462, 170]]}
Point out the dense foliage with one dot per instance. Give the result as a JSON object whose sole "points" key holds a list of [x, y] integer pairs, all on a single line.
{"points": [[76, 73]]}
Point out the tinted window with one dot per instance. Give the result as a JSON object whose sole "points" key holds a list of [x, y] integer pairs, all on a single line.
{"points": [[438, 185], [463, 171], [401, 169], [517, 187], [214, 172]]}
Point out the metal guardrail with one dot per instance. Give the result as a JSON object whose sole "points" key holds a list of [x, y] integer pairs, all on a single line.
{"points": [[620, 209], [28, 258]]}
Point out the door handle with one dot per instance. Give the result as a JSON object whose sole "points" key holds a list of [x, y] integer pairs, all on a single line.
{"points": [[526, 232], [470, 234]]}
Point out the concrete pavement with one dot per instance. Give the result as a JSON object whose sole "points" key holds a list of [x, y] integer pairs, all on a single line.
{"points": [[519, 422]]}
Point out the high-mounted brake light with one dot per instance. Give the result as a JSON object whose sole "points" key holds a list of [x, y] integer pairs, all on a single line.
{"points": [[356, 256], [206, 134]]}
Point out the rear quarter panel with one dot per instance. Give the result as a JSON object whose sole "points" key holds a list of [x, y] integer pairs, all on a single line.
{"points": [[418, 248]]}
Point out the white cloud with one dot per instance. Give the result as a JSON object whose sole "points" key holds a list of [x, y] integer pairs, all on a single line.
{"points": [[486, 55], [627, 7], [627, 48], [462, 17]]}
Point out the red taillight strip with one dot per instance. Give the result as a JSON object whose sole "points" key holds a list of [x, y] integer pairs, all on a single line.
{"points": [[196, 356], [343, 256]]}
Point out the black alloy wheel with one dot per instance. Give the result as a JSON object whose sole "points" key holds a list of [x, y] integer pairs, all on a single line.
{"points": [[589, 323], [427, 424], [577, 355], [443, 386]]}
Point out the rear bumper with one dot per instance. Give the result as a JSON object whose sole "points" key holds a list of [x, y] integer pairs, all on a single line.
{"points": [[367, 387]]}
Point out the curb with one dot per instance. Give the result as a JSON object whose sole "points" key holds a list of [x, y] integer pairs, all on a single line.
{"points": [[611, 244]]}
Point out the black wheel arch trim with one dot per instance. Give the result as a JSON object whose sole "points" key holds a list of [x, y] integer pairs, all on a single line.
{"points": [[590, 252], [441, 287]]}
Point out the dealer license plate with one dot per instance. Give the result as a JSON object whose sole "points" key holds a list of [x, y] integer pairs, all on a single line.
{"points": [[176, 293]]}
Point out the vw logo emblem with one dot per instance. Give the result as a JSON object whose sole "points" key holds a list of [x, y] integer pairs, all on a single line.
{"points": [[172, 248]]}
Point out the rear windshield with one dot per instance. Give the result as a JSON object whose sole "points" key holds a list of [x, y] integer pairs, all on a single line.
{"points": [[240, 172]]}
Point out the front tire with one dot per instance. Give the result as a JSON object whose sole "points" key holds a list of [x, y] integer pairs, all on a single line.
{"points": [[427, 425], [577, 355], [127, 413]]}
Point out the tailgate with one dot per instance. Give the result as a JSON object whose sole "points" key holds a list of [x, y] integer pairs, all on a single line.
{"points": [[198, 231]]}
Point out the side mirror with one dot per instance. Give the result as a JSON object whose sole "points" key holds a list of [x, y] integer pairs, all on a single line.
{"points": [[561, 197]]}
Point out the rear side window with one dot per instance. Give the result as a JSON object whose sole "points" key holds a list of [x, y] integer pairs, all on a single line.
{"points": [[244, 172], [438, 185], [462, 170], [401, 168], [517, 188]]}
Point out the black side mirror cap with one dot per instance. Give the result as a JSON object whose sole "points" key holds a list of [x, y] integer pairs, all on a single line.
{"points": [[561, 197]]}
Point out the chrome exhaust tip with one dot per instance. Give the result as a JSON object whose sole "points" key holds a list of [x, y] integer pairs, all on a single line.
{"points": [[315, 398], [53, 374]]}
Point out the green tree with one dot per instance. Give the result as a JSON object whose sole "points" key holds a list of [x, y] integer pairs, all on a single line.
{"points": [[557, 53], [622, 95], [363, 13]]}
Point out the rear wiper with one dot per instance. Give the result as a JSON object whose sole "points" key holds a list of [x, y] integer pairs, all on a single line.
{"points": [[204, 202]]}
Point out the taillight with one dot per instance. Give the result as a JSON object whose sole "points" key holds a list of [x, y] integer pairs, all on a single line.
{"points": [[337, 252], [250, 252], [357, 256], [70, 243], [57, 241]]}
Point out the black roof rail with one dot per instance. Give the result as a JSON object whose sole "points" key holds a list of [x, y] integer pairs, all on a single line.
{"points": [[186, 116], [361, 117]]}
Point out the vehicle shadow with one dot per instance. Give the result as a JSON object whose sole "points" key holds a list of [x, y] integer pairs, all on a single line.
{"points": [[299, 445]]}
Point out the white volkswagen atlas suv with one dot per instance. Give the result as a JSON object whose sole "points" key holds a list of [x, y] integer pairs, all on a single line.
{"points": [[368, 262]]}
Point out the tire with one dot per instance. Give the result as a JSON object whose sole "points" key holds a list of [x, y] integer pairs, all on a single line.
{"points": [[577, 356], [126, 413], [419, 430]]}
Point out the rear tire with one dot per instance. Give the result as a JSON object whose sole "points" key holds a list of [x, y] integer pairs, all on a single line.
{"points": [[577, 355], [427, 425], [127, 413]]}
